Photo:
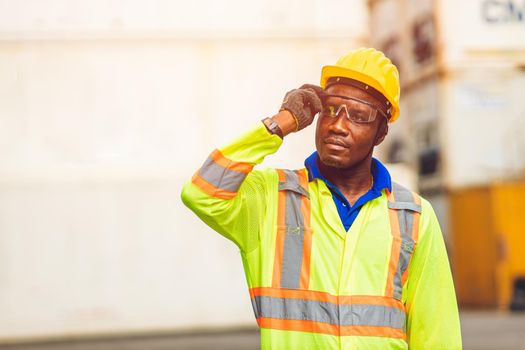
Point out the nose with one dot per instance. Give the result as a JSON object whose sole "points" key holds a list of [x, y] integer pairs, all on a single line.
{"points": [[339, 125]]}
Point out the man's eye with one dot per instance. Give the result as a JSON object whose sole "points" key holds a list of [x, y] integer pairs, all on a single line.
{"points": [[360, 117]]}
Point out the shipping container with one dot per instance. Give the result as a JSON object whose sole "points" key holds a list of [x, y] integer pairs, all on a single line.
{"points": [[106, 109], [489, 245], [462, 69]]}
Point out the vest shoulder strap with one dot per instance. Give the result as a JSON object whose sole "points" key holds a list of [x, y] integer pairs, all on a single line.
{"points": [[403, 198], [294, 233], [404, 207], [293, 180]]}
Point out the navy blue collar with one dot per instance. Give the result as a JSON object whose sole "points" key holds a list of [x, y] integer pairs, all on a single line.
{"points": [[380, 173]]}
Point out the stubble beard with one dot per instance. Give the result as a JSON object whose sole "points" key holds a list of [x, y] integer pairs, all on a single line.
{"points": [[333, 163]]}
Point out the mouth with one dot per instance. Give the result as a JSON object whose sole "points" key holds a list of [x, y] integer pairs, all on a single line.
{"points": [[335, 143]]}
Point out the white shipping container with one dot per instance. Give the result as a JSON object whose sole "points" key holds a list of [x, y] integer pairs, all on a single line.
{"points": [[482, 125], [106, 109], [462, 73]]}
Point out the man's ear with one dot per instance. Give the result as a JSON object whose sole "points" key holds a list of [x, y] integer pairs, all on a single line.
{"points": [[381, 133]]}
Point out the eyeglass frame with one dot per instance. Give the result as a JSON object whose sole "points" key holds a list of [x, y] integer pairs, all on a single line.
{"points": [[378, 109]]}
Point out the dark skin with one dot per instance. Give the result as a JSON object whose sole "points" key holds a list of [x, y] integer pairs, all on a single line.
{"points": [[344, 147]]}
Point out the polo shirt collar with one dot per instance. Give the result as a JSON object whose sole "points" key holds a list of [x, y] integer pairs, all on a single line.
{"points": [[382, 179]]}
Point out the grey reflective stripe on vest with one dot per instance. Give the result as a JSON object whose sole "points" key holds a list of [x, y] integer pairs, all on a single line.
{"points": [[293, 186], [320, 311], [220, 177], [294, 239], [406, 207]]}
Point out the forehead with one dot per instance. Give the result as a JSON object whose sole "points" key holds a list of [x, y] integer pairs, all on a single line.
{"points": [[350, 91]]}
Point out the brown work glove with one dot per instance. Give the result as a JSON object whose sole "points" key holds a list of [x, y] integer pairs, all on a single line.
{"points": [[304, 103]]}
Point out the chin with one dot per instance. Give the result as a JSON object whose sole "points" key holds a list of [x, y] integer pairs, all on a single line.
{"points": [[333, 162]]}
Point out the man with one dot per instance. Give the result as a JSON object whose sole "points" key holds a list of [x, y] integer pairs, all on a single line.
{"points": [[336, 255]]}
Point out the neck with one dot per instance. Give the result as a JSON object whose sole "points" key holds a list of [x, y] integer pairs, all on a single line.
{"points": [[352, 182]]}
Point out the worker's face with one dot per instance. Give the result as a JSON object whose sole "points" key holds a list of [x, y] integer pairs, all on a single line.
{"points": [[342, 143]]}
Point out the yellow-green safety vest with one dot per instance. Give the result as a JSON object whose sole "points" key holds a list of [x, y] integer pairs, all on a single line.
{"points": [[384, 284]]}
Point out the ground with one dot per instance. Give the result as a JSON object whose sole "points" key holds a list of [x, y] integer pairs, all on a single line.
{"points": [[481, 331]]}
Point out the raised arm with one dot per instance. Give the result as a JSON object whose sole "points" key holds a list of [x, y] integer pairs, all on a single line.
{"points": [[225, 193]]}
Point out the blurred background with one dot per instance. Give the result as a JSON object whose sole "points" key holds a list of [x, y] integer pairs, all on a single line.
{"points": [[108, 106]]}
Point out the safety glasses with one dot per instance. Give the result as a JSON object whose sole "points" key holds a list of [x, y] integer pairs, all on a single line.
{"points": [[355, 110]]}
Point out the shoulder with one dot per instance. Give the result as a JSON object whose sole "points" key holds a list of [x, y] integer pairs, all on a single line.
{"points": [[429, 227], [427, 216], [275, 179], [427, 210], [266, 175], [262, 180], [277, 174]]}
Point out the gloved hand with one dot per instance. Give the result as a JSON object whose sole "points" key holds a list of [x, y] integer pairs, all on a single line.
{"points": [[304, 103]]}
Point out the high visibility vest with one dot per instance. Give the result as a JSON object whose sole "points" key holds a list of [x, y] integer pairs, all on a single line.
{"points": [[312, 283], [289, 304]]}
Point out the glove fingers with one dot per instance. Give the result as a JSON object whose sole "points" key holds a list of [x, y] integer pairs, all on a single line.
{"points": [[313, 101], [317, 89], [304, 103], [318, 105]]}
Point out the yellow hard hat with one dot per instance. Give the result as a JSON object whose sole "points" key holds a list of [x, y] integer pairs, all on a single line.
{"points": [[373, 71]]}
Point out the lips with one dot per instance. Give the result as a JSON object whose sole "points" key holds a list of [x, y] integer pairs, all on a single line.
{"points": [[334, 141]]}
